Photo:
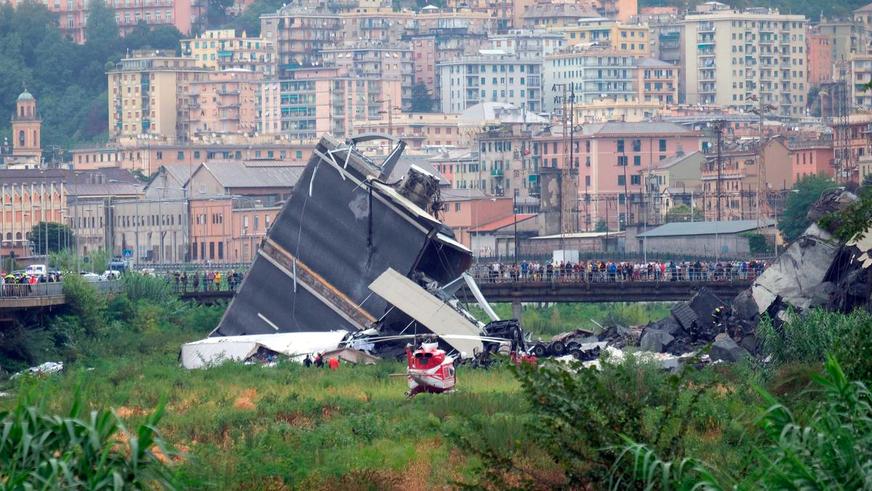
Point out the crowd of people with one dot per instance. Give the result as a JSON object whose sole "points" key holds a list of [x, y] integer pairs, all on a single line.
{"points": [[17, 284], [205, 281], [613, 271]]}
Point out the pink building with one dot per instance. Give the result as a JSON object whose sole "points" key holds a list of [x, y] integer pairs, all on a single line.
{"points": [[181, 14], [612, 160], [424, 61], [223, 102], [810, 158], [820, 57], [466, 209]]}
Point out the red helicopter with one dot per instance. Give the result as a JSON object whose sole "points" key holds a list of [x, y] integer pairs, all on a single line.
{"points": [[430, 369]]}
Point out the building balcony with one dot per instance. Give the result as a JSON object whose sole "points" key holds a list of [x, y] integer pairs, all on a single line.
{"points": [[498, 173]]}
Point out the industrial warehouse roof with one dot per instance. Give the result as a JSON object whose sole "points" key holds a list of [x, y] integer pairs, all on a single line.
{"points": [[239, 175], [508, 221], [679, 229]]}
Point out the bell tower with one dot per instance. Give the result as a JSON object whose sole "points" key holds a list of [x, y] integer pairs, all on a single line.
{"points": [[26, 128]]}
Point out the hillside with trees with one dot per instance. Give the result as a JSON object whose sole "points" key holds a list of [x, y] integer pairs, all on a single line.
{"points": [[68, 80]]}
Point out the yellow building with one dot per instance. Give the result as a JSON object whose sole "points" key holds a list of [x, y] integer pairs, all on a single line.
{"points": [[628, 38], [222, 49], [149, 95]]}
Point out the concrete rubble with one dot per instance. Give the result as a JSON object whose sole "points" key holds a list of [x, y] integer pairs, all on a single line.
{"points": [[816, 270]]}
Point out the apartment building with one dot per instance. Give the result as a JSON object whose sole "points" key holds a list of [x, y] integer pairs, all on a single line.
{"points": [[316, 101], [731, 56], [72, 15], [298, 35], [223, 102], [505, 78], [149, 94], [419, 130], [860, 69], [526, 42], [546, 15], [629, 38], [657, 81], [589, 74], [222, 49], [377, 61]]}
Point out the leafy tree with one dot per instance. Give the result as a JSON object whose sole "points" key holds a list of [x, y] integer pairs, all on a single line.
{"points": [[422, 101], [682, 213], [867, 180], [57, 235], [804, 193], [101, 30], [601, 226], [161, 37], [216, 11], [249, 20]]}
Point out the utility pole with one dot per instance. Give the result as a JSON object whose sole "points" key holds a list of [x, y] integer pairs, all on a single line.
{"points": [[718, 126]]}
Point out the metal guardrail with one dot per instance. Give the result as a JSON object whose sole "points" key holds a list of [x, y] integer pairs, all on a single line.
{"points": [[52, 289], [485, 276], [17, 290]]}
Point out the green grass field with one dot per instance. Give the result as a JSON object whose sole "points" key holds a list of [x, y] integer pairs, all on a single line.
{"points": [[254, 427]]}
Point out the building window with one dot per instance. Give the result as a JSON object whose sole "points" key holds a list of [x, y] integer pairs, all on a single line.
{"points": [[194, 251], [637, 145], [622, 160], [621, 181], [181, 155], [636, 180], [211, 250], [160, 155], [662, 145], [620, 146], [221, 250], [637, 160]]}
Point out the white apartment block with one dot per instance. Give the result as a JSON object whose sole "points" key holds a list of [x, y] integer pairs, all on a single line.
{"points": [[861, 74], [590, 75], [468, 81], [731, 57]]}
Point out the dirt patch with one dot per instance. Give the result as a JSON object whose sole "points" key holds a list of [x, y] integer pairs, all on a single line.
{"points": [[129, 411], [297, 420], [176, 457], [245, 401], [328, 412]]}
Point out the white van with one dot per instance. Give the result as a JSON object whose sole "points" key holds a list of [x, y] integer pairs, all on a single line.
{"points": [[36, 270]]}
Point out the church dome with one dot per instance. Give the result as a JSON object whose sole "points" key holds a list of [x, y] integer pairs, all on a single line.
{"points": [[25, 96]]}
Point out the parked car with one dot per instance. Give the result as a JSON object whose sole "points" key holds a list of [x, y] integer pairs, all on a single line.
{"points": [[111, 274], [36, 270], [92, 277]]}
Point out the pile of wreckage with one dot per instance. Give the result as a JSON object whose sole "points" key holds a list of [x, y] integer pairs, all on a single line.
{"points": [[356, 254], [816, 270], [357, 260]]}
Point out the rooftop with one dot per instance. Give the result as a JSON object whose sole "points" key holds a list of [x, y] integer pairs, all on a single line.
{"points": [[234, 174], [679, 229], [641, 128], [507, 221]]}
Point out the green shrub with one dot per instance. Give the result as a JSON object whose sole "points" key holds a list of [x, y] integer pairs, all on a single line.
{"points": [[832, 450], [808, 337], [86, 303], [142, 287], [79, 451]]}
